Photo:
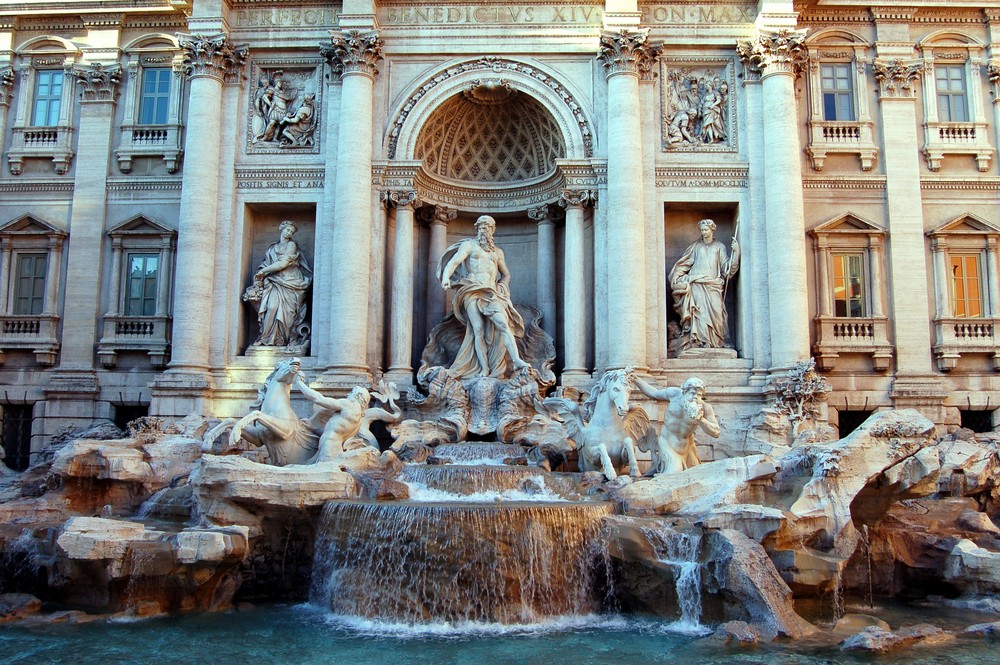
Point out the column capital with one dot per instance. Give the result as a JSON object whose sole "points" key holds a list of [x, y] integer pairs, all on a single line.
{"points": [[992, 75], [353, 52], [7, 78], [781, 52], [99, 83], [212, 55], [570, 198], [625, 51], [402, 198], [542, 214], [442, 215], [897, 78]]}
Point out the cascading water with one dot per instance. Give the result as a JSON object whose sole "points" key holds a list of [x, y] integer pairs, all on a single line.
{"points": [[680, 551], [478, 453]]}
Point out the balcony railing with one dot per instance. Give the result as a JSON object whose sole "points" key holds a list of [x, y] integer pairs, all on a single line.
{"points": [[954, 337], [957, 138], [35, 333], [41, 142], [150, 141], [861, 335], [150, 334], [857, 138]]}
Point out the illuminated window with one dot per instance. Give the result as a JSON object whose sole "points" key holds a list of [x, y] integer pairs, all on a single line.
{"points": [[848, 285], [966, 292]]}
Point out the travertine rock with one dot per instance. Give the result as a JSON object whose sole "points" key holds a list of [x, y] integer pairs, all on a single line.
{"points": [[15, 606], [195, 545], [739, 632], [700, 489], [879, 640], [992, 628], [752, 520], [93, 538], [973, 568]]}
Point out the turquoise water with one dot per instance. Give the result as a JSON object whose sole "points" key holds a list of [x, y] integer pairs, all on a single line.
{"points": [[293, 635]]}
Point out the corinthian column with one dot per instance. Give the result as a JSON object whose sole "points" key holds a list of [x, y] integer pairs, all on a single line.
{"points": [[208, 59], [621, 52], [7, 78], [438, 244], [574, 285], [353, 56], [778, 56], [545, 278], [401, 317]]}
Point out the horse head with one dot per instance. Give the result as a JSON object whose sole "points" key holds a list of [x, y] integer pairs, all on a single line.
{"points": [[617, 384], [285, 371]]}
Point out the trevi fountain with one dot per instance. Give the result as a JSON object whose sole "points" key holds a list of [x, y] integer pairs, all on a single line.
{"points": [[486, 515]]}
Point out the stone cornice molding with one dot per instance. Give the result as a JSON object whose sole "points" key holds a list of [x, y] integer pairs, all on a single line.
{"points": [[7, 77], [92, 21], [403, 198], [577, 198], [781, 52], [893, 14], [213, 56], [992, 13], [897, 78], [97, 82], [353, 52], [622, 51]]}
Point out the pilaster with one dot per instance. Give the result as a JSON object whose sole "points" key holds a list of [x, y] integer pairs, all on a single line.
{"points": [[574, 286], [401, 304], [545, 261]]}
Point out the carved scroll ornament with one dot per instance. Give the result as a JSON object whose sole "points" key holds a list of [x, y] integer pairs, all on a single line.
{"points": [[774, 52], [353, 52]]}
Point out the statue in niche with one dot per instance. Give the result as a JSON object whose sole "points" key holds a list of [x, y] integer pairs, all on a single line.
{"points": [[698, 283], [696, 109], [278, 293], [475, 268], [686, 411]]}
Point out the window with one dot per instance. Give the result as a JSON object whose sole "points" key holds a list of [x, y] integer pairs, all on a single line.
{"points": [[48, 98], [848, 289], [29, 291], [16, 435], [978, 421], [950, 80], [966, 294], [838, 97], [142, 281], [851, 420], [154, 104]]}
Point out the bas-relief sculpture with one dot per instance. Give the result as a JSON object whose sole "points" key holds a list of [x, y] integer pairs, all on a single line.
{"points": [[697, 109], [698, 282], [475, 269], [686, 411], [278, 293], [276, 120]]}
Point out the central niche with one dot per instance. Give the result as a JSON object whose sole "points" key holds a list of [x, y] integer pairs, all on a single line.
{"points": [[490, 133]]}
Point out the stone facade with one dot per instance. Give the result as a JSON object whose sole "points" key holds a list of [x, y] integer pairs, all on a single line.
{"points": [[151, 153]]}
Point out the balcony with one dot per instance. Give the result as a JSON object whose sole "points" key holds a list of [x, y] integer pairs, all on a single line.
{"points": [[35, 333], [864, 335], [854, 138], [135, 333], [954, 337], [957, 138], [150, 141], [41, 142]]}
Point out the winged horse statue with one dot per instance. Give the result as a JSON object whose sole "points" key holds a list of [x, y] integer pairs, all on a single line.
{"points": [[606, 429]]}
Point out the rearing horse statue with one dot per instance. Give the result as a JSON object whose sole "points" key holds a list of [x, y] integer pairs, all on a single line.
{"points": [[607, 429], [273, 423]]}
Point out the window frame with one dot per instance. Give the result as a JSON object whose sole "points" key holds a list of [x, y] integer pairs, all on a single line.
{"points": [[837, 93]]}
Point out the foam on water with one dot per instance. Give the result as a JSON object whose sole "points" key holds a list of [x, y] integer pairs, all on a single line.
{"points": [[464, 629], [421, 493]]}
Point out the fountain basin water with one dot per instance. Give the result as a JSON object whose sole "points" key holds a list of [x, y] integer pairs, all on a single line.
{"points": [[508, 563], [514, 482]]}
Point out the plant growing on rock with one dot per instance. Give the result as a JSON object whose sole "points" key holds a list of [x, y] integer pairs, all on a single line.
{"points": [[798, 396]]}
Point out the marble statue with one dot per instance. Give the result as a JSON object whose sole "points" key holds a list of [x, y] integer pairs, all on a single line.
{"points": [[278, 292], [346, 421], [686, 411], [698, 282], [606, 428], [273, 423], [297, 128], [477, 272]]}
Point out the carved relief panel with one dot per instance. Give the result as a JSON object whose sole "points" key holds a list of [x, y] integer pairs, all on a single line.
{"points": [[698, 105], [284, 106]]}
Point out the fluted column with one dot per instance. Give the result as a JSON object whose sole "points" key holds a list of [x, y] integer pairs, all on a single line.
{"points": [[778, 56], [942, 299], [7, 78], [207, 61], [353, 56], [438, 244], [5, 256], [574, 286], [825, 306], [114, 288], [401, 316], [621, 53], [545, 260]]}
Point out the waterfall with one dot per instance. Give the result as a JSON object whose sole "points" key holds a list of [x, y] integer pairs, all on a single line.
{"points": [[511, 562], [680, 551], [478, 453]]}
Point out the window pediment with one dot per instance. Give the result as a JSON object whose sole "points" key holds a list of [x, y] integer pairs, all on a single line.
{"points": [[140, 226], [30, 226], [848, 223], [967, 224]]}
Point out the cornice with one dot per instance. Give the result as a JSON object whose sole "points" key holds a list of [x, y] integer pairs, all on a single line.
{"points": [[846, 182], [277, 172], [979, 184], [35, 186]]}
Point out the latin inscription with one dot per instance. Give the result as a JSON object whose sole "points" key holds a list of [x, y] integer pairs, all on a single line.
{"points": [[663, 14], [561, 14], [280, 184], [701, 183], [285, 18]]}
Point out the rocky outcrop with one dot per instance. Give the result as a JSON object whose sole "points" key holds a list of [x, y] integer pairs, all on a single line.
{"points": [[233, 490], [973, 569], [700, 489], [876, 639], [17, 606]]}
